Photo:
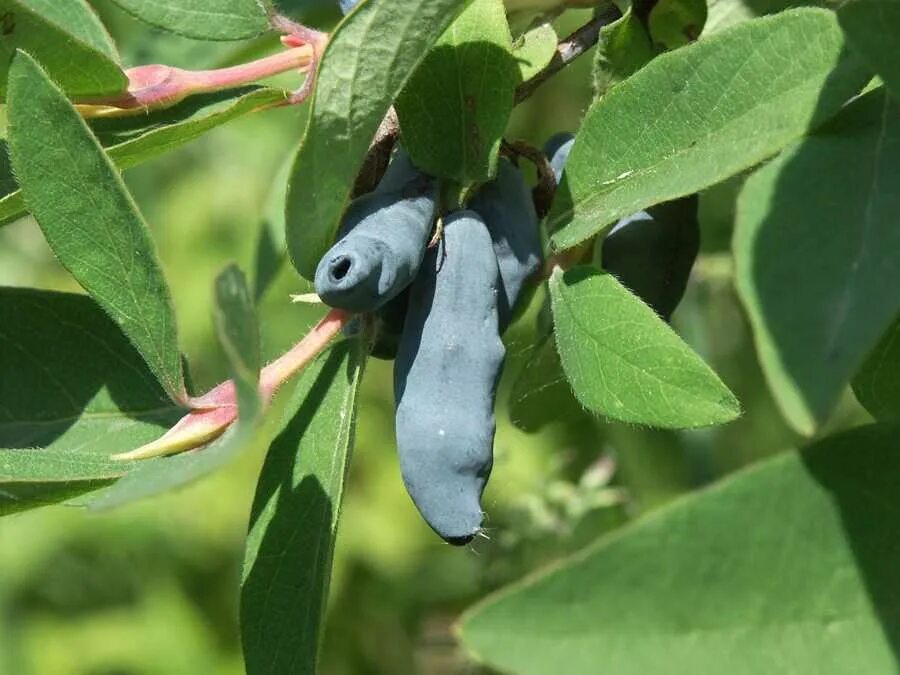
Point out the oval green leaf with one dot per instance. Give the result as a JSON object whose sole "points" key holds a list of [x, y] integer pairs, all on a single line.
{"points": [[625, 362], [454, 109], [702, 113]]}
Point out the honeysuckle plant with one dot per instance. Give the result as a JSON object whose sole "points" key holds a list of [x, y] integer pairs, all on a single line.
{"points": [[778, 566]]}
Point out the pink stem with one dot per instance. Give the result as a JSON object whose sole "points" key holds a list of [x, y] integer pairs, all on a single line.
{"points": [[156, 85], [282, 368]]}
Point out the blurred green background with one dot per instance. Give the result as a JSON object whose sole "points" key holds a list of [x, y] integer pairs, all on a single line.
{"points": [[152, 588]]}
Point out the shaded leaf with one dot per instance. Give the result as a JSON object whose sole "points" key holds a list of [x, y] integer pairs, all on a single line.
{"points": [[89, 219], [287, 565], [817, 242], [74, 391], [695, 116], [238, 333], [534, 50], [675, 23], [455, 107], [780, 568], [624, 362], [131, 141], [877, 384], [78, 67], [873, 31], [368, 59], [202, 19], [623, 49]]}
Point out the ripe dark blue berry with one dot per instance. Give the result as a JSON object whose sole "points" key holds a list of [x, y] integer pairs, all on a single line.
{"points": [[506, 207], [445, 379]]}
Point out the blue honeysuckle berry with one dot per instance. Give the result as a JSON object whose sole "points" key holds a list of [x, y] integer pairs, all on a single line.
{"points": [[445, 379], [506, 207], [381, 242]]}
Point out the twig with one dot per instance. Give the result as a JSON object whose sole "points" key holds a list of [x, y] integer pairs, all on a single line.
{"points": [[379, 154], [570, 49], [543, 192]]}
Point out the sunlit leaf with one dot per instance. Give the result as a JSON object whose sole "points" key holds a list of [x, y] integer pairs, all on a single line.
{"points": [[785, 567], [697, 115], [89, 218]]}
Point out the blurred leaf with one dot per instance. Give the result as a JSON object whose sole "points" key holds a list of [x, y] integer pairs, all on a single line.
{"points": [[534, 50], [455, 107], [287, 566], [817, 243], [202, 19], [89, 218], [877, 384], [541, 394], [623, 49], [131, 141], [73, 392], [271, 250], [624, 362], [238, 332], [79, 68], [368, 60], [675, 23], [700, 114], [873, 31], [78, 19], [786, 567]]}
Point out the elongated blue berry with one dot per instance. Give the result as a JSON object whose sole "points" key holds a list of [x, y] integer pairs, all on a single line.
{"points": [[652, 252], [382, 242], [506, 207], [445, 379]]}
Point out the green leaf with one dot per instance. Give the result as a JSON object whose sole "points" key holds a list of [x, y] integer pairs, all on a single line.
{"points": [[534, 50], [624, 362], [873, 31], [238, 333], [693, 117], [202, 19], [454, 109], [74, 391], [675, 23], [287, 565], [89, 219], [786, 567], [130, 141], [817, 245], [78, 67], [623, 49], [78, 19], [877, 383], [368, 59]]}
